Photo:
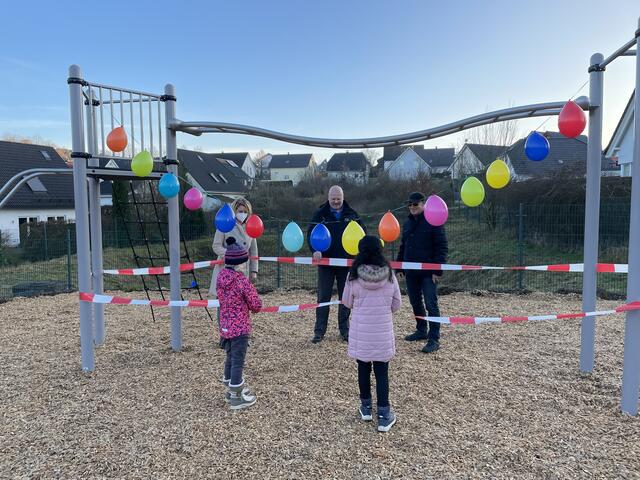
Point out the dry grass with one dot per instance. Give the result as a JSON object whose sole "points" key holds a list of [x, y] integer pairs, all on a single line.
{"points": [[496, 401]]}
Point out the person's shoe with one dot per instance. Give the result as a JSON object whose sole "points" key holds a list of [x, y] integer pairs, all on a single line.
{"points": [[415, 336], [240, 397], [365, 409], [316, 338], [386, 419], [431, 346]]}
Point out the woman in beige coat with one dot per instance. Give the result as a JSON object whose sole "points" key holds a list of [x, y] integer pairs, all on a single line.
{"points": [[242, 209]]}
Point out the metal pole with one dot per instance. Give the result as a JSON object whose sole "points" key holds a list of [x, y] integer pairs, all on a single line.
{"points": [[69, 284], [95, 222], [631, 364], [46, 245], [82, 215], [520, 245], [592, 215], [174, 221]]}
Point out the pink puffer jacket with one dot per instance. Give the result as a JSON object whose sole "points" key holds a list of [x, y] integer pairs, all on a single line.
{"points": [[372, 299], [237, 298]]}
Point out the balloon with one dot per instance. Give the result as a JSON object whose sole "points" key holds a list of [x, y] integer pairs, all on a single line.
{"points": [[389, 228], [292, 237], [536, 147], [382, 242], [320, 238], [472, 192], [254, 227], [498, 174], [193, 284], [169, 185], [225, 219], [193, 199], [351, 236], [572, 120], [436, 211], [117, 139], [142, 164]]}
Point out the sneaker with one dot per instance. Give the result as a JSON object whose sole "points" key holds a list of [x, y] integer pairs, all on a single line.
{"points": [[415, 336], [365, 409], [240, 397], [316, 338], [431, 346], [386, 419]]}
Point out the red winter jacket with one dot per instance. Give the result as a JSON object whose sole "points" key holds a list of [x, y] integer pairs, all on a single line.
{"points": [[237, 297]]}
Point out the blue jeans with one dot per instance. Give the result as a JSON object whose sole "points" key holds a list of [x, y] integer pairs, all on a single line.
{"points": [[422, 292], [236, 349]]}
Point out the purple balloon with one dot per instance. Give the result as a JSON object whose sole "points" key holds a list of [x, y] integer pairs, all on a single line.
{"points": [[193, 199], [436, 211]]}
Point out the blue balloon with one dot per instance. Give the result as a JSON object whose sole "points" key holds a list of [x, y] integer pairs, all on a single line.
{"points": [[193, 284], [169, 185], [320, 238], [292, 237], [225, 219], [536, 147]]}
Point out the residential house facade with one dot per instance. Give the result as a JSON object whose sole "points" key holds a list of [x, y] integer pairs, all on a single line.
{"points": [[291, 167], [350, 166], [619, 153], [405, 162]]}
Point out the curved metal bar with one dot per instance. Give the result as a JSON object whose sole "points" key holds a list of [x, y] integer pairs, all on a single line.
{"points": [[35, 173], [17, 176], [525, 111]]}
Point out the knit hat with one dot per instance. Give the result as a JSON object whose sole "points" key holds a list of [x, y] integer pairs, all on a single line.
{"points": [[236, 254]]}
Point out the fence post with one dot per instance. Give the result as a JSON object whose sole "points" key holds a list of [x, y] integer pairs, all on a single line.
{"points": [[279, 280], [520, 245], [68, 259], [46, 243]]}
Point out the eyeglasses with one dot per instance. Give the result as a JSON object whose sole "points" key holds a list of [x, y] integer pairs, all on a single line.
{"points": [[413, 204]]}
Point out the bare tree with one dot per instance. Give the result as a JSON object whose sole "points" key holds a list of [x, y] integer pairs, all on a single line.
{"points": [[501, 133], [372, 155]]}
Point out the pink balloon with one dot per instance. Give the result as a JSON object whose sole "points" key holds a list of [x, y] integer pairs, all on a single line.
{"points": [[193, 199], [435, 211]]}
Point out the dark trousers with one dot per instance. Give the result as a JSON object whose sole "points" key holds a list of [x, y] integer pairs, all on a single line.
{"points": [[236, 349], [420, 287], [326, 278], [381, 371]]}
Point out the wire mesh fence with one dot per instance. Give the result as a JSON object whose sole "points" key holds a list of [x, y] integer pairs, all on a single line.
{"points": [[45, 261]]}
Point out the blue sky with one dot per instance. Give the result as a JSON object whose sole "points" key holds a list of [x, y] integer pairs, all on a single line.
{"points": [[329, 68]]}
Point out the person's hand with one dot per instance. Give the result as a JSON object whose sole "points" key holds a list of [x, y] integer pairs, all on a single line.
{"points": [[253, 277], [399, 274], [317, 255], [435, 278]]}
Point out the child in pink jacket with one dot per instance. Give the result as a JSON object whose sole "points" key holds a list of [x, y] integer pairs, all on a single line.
{"points": [[237, 298], [372, 293]]}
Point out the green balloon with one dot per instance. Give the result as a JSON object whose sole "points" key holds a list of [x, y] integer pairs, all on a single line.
{"points": [[142, 164], [472, 192]]}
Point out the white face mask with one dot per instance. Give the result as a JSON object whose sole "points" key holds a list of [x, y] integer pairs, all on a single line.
{"points": [[242, 216]]}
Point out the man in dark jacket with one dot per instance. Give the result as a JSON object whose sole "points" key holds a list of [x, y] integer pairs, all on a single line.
{"points": [[336, 215], [422, 242]]}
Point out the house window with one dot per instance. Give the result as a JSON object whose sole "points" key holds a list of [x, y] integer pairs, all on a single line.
{"points": [[36, 185], [223, 179], [232, 164], [45, 154], [201, 159], [213, 175], [286, 177]]}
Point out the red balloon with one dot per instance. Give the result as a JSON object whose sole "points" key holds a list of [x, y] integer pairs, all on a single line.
{"points": [[254, 227], [117, 139], [572, 120]]}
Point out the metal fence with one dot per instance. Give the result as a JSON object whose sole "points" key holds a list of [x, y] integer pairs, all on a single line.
{"points": [[526, 235]]}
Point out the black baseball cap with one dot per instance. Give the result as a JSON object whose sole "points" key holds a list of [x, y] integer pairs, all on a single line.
{"points": [[416, 197]]}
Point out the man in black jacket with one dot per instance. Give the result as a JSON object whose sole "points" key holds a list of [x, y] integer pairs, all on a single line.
{"points": [[422, 242], [336, 215]]}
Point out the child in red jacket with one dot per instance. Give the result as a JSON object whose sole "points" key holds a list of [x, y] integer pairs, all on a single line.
{"points": [[237, 298]]}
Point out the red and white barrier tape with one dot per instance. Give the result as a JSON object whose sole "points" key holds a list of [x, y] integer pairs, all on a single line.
{"points": [[344, 262], [529, 318], [94, 298]]}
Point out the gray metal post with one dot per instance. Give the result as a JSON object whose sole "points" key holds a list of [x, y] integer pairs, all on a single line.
{"points": [[95, 225], [82, 215], [631, 365], [174, 221], [592, 215], [520, 245], [69, 284]]}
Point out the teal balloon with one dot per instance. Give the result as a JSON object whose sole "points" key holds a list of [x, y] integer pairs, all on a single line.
{"points": [[292, 237], [536, 147], [320, 238], [225, 219], [169, 185]]}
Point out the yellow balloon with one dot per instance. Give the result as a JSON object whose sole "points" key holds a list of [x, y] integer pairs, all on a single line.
{"points": [[351, 237], [382, 242], [498, 174], [142, 164], [472, 192]]}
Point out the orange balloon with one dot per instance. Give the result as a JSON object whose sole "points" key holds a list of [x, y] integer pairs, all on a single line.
{"points": [[117, 139], [389, 228]]}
